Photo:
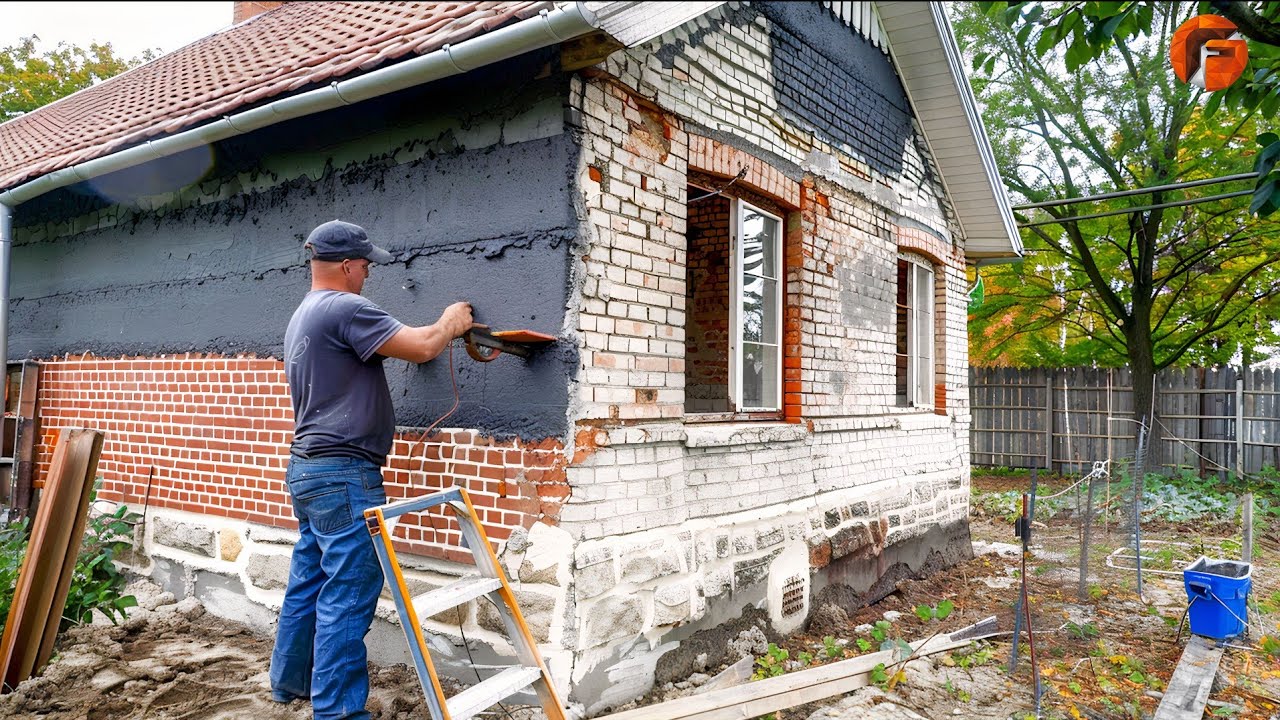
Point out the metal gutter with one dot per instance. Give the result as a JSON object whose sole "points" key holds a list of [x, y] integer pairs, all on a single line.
{"points": [[550, 27]]}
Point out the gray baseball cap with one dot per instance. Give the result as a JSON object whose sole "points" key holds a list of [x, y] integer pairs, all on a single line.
{"points": [[338, 240]]}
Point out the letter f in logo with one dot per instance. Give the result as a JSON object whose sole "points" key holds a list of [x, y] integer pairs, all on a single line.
{"points": [[1208, 52]]}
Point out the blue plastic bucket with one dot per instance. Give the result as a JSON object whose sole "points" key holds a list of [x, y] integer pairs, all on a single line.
{"points": [[1217, 594]]}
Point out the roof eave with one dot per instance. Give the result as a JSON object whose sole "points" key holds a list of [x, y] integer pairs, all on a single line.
{"points": [[635, 23], [934, 50]]}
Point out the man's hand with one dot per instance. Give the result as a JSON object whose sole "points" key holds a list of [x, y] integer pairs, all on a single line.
{"points": [[457, 318], [421, 344]]}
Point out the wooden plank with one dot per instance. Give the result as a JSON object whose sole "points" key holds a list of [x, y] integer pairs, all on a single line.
{"points": [[87, 478], [18, 608], [1048, 416], [778, 693], [40, 575], [1188, 691]]}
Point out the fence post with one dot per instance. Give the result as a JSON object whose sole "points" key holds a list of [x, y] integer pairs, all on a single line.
{"points": [[1246, 514], [1048, 423]]}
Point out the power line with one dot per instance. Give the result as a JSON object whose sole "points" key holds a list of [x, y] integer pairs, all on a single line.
{"points": [[1144, 208], [1138, 191]]}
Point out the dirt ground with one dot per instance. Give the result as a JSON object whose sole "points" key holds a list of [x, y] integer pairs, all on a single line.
{"points": [[1108, 656], [171, 660]]}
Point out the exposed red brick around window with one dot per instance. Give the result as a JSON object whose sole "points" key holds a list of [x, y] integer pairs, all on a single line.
{"points": [[924, 243], [211, 435], [709, 287], [716, 158], [793, 254]]}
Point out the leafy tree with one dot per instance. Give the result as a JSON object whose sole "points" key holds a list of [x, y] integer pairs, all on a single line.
{"points": [[1088, 30], [29, 80], [1144, 287]]}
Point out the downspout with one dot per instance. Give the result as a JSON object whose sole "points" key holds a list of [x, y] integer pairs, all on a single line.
{"points": [[6, 243], [549, 28]]}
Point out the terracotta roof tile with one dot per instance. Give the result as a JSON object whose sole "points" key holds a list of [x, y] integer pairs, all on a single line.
{"points": [[272, 54]]}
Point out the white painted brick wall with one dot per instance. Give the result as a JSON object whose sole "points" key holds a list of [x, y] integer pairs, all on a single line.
{"points": [[648, 477]]}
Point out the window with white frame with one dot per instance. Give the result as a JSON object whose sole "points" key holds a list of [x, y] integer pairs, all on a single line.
{"points": [[915, 339], [756, 357], [733, 298]]}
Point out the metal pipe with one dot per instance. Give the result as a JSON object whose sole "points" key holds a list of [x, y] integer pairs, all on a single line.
{"points": [[6, 243], [1138, 191], [1246, 512]]}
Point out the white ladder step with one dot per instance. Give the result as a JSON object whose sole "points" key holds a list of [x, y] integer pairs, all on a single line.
{"points": [[452, 595], [488, 693]]}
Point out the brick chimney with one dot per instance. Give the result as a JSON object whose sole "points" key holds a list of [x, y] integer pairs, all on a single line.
{"points": [[245, 10]]}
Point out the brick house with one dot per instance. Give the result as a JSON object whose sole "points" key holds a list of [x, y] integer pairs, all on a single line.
{"points": [[748, 224]]}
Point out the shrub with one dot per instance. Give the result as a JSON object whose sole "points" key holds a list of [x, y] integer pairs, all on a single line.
{"points": [[96, 582], [13, 546]]}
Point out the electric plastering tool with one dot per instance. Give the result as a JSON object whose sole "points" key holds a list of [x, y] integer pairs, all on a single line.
{"points": [[484, 345]]}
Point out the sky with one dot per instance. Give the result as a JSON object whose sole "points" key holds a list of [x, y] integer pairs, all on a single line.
{"points": [[130, 27]]}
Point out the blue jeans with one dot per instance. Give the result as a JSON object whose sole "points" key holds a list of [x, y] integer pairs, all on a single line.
{"points": [[334, 582]]}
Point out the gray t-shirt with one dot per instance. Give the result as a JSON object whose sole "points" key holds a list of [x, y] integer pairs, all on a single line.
{"points": [[341, 403]]}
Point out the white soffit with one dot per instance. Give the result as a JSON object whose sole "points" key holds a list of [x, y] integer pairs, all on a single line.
{"points": [[635, 23], [929, 63]]}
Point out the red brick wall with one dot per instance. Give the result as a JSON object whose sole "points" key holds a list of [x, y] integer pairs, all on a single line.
{"points": [[216, 432], [707, 333]]}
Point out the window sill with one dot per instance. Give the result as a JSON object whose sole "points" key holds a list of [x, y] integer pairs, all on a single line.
{"points": [[893, 419], [732, 417], [700, 435]]}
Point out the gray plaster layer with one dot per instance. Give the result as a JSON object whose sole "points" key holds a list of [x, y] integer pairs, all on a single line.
{"points": [[221, 595], [481, 212]]}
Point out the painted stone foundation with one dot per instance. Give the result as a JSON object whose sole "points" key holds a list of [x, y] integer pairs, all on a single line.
{"points": [[641, 611]]}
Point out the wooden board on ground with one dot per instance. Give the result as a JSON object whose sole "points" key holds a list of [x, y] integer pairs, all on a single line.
{"points": [[80, 519], [53, 538], [1188, 691], [778, 693]]}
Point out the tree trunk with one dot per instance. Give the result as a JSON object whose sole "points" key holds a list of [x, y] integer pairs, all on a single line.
{"points": [[1142, 365]]}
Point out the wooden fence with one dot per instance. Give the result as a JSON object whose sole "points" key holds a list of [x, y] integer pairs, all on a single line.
{"points": [[1065, 418]]}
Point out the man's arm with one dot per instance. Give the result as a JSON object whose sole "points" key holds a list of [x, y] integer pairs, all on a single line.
{"points": [[420, 344]]}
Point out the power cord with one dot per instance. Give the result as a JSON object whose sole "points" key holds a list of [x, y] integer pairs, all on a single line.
{"points": [[422, 471], [466, 646], [453, 378]]}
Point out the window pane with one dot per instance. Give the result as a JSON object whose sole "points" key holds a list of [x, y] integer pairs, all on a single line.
{"points": [[759, 376], [902, 367], [759, 310], [923, 289], [922, 313], [759, 243]]}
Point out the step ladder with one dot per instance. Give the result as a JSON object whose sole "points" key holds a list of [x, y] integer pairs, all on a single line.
{"points": [[491, 582]]}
